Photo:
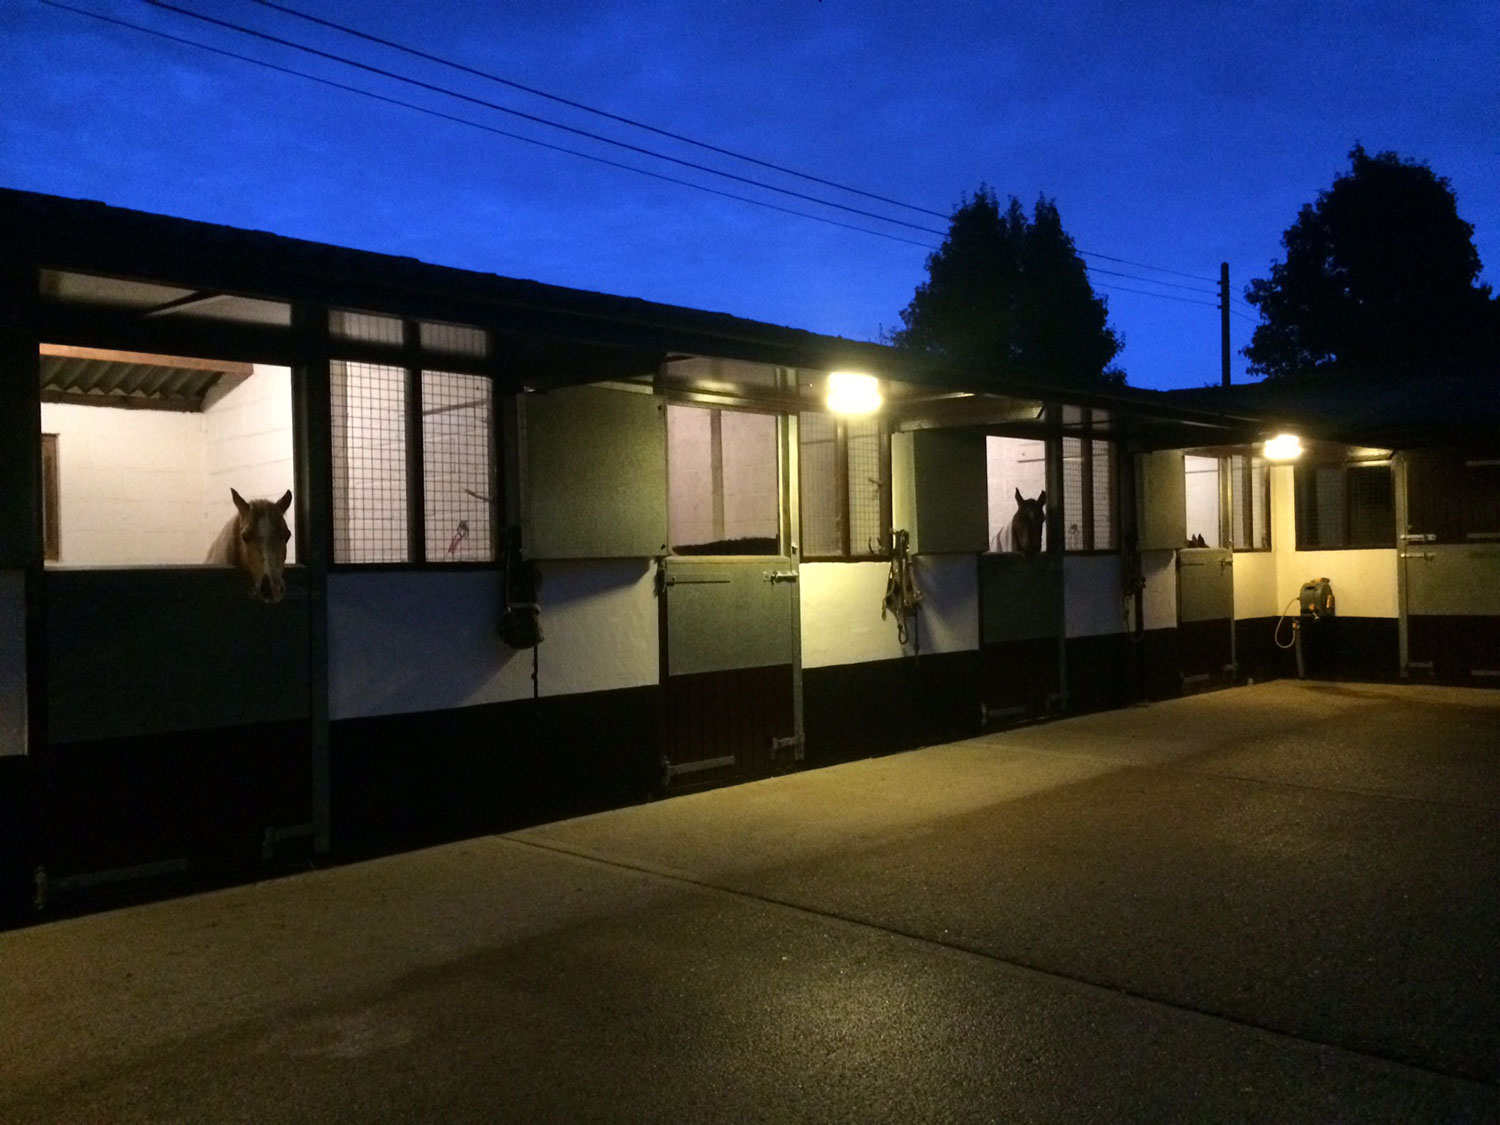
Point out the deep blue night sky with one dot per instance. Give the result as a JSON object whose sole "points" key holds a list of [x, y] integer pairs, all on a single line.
{"points": [[1178, 136]]}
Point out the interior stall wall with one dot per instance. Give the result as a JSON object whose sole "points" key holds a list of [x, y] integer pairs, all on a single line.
{"points": [[1012, 464], [12, 662], [1364, 581], [1201, 490], [141, 487], [248, 444], [403, 642], [841, 622], [130, 485]]}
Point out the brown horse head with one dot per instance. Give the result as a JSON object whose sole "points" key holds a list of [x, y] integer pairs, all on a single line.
{"points": [[1026, 524], [260, 539]]}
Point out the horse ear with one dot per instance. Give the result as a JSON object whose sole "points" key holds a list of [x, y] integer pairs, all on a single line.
{"points": [[239, 502], [1018, 497], [1041, 497], [285, 502]]}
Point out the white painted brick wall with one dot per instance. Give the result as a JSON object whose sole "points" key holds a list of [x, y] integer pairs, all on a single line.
{"points": [[248, 445], [130, 485]]}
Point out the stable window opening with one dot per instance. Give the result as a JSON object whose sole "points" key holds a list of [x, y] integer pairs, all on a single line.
{"points": [[1344, 506], [140, 452], [844, 470], [1090, 495], [1202, 483], [413, 466], [1013, 464], [723, 481]]}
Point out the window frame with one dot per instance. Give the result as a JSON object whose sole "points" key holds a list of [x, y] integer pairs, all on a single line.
{"points": [[51, 501], [1086, 519], [1257, 470], [1344, 468], [843, 515], [414, 362]]}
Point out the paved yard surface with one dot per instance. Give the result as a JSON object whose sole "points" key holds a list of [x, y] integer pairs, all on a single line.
{"points": [[1276, 903]]}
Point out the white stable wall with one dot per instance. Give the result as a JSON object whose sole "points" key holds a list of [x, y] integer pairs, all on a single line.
{"points": [[841, 602], [1364, 581], [130, 485], [1255, 584], [400, 641], [247, 433]]}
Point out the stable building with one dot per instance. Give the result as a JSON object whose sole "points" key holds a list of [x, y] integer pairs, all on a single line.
{"points": [[555, 551]]}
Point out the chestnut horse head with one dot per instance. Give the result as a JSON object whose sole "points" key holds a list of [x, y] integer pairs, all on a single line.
{"points": [[255, 540], [1026, 524]]}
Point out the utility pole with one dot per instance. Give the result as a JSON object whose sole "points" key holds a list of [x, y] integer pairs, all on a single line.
{"points": [[1224, 322]]}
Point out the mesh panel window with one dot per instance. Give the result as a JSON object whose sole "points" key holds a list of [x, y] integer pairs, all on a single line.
{"points": [[1344, 506], [369, 463], [844, 485], [1089, 494], [1075, 536], [1105, 494], [822, 520], [1372, 506], [865, 442], [457, 480]]}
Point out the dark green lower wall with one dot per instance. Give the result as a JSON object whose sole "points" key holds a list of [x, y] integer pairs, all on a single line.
{"points": [[1337, 648], [404, 781]]}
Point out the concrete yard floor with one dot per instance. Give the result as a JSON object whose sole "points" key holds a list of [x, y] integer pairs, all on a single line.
{"points": [[1273, 903]]}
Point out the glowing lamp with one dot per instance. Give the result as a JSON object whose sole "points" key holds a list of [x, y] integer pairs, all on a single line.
{"points": [[851, 393], [1284, 447]]}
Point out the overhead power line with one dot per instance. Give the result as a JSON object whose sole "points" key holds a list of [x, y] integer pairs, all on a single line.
{"points": [[632, 122], [599, 137], [477, 125], [342, 60], [620, 118]]}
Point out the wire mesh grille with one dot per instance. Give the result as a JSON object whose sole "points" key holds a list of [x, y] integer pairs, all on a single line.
{"points": [[1372, 506], [1106, 491], [1075, 531], [457, 477], [863, 441], [369, 463], [817, 444]]}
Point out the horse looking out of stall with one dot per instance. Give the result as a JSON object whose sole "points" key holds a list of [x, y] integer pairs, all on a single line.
{"points": [[1026, 524], [254, 540]]}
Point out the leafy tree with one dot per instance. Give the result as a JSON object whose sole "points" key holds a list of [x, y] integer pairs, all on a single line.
{"points": [[1008, 296], [1379, 278]]}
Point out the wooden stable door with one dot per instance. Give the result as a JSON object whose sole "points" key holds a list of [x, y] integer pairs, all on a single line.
{"points": [[1205, 615], [729, 668], [1450, 565]]}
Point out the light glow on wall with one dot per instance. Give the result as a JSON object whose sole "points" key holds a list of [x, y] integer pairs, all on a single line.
{"points": [[853, 393], [1284, 447]]}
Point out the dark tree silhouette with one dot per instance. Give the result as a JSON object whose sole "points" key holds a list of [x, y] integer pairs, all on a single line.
{"points": [[1379, 279], [1008, 297]]}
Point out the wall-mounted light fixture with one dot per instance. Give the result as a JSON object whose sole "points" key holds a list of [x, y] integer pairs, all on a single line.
{"points": [[1283, 447], [853, 393]]}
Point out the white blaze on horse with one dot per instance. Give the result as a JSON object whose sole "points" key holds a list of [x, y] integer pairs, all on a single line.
{"points": [[254, 540], [1026, 524]]}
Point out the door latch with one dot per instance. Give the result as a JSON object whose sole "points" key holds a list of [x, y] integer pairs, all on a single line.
{"points": [[775, 576]]}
